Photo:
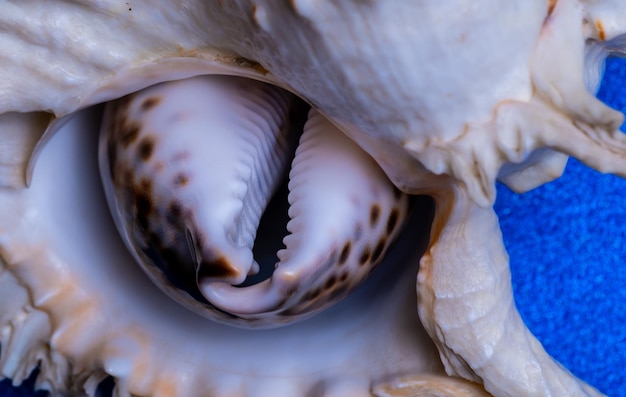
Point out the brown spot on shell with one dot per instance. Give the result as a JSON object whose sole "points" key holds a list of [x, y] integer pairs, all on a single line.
{"points": [[345, 253], [374, 214], [365, 255], [174, 212], [313, 294], [181, 180], [144, 207], [294, 6], [129, 176], [330, 282], [149, 103], [145, 148], [378, 250], [392, 221], [248, 63], [146, 185], [218, 268], [129, 134], [551, 5], [601, 32]]}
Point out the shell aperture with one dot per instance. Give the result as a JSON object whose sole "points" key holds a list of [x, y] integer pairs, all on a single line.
{"points": [[344, 215], [189, 167]]}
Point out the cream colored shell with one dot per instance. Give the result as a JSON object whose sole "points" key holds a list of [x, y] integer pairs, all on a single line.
{"points": [[443, 95]]}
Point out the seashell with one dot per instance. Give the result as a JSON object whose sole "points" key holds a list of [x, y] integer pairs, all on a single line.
{"points": [[445, 98], [189, 166]]}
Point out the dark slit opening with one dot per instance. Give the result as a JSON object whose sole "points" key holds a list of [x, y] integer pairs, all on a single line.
{"points": [[269, 239]]}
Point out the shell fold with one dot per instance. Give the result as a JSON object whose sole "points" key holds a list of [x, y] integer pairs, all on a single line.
{"points": [[19, 134], [344, 214], [188, 168], [465, 301]]}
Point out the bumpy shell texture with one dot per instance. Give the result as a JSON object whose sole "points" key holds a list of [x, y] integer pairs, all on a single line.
{"points": [[445, 96]]}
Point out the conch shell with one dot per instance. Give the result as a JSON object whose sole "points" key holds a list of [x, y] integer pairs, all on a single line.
{"points": [[445, 96]]}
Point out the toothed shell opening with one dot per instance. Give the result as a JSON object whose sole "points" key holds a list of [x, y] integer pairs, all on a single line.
{"points": [[80, 331], [189, 166]]}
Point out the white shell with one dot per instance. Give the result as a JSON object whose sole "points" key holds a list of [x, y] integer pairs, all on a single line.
{"points": [[441, 94]]}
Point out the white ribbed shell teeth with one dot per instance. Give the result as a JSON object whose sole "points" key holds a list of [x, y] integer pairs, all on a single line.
{"points": [[344, 215], [189, 167]]}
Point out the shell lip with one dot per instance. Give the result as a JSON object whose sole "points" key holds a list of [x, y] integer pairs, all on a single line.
{"points": [[154, 72]]}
